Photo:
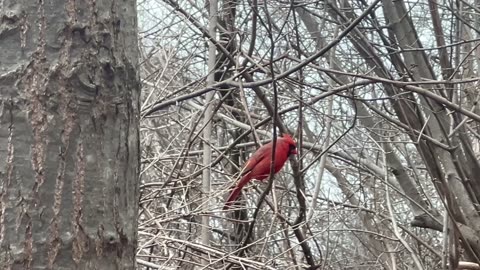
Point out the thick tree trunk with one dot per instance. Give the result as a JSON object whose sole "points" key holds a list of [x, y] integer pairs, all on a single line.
{"points": [[69, 146]]}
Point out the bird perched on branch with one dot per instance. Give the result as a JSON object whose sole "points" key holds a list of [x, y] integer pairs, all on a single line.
{"points": [[258, 165]]}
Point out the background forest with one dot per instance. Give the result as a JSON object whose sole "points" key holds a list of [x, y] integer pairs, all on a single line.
{"points": [[381, 97]]}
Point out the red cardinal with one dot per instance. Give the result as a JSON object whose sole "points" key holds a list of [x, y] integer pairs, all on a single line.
{"points": [[258, 166]]}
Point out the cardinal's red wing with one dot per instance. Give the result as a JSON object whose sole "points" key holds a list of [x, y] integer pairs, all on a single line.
{"points": [[262, 153]]}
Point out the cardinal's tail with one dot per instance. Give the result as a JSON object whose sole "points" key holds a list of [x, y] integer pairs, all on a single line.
{"points": [[236, 191]]}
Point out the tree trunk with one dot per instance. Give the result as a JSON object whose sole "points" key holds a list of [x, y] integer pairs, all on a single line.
{"points": [[69, 145]]}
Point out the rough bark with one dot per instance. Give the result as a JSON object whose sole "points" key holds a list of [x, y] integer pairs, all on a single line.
{"points": [[69, 159]]}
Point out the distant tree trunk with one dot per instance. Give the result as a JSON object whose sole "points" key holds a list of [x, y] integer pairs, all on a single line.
{"points": [[69, 145]]}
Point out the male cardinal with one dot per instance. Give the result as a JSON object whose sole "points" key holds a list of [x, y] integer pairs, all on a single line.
{"points": [[258, 165]]}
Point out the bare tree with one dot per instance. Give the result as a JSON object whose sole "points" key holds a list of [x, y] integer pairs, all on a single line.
{"points": [[382, 97], [69, 137]]}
